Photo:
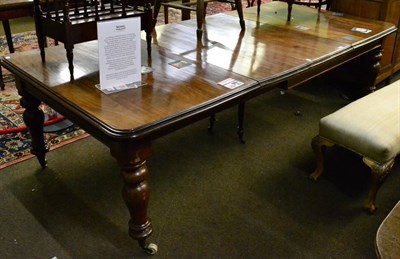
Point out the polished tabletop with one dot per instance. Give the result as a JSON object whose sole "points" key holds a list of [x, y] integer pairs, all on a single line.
{"points": [[269, 51], [266, 49], [169, 92]]}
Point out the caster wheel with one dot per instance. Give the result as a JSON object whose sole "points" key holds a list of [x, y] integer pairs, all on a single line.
{"points": [[151, 249]]}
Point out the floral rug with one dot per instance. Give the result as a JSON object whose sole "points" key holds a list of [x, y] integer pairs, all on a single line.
{"points": [[15, 147]]}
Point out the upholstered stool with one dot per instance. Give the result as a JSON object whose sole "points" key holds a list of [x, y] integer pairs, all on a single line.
{"points": [[369, 126]]}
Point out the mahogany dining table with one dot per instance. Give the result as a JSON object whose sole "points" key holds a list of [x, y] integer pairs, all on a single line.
{"points": [[271, 52]]}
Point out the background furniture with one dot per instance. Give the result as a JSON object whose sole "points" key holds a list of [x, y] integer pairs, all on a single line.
{"points": [[75, 21], [11, 9], [368, 126], [311, 3], [383, 10], [198, 6]]}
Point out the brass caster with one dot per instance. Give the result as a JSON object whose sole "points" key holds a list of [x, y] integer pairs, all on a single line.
{"points": [[314, 177], [151, 249], [370, 208]]}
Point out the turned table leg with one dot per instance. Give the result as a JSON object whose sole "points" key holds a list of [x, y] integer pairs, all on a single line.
{"points": [[34, 119], [376, 65], [358, 76], [136, 190], [366, 69]]}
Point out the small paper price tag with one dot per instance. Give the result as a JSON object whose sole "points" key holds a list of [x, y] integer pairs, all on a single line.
{"points": [[302, 28], [362, 30], [231, 83], [179, 63]]}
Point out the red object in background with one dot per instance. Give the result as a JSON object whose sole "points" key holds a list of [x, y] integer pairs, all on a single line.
{"points": [[22, 128]]}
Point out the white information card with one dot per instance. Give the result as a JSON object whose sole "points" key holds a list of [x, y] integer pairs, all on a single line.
{"points": [[119, 54]]}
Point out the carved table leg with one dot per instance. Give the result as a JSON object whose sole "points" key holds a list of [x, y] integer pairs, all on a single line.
{"points": [[363, 72], [357, 77], [34, 119], [136, 190], [374, 59]]}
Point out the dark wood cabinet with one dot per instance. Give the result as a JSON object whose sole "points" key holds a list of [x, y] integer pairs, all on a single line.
{"points": [[384, 10]]}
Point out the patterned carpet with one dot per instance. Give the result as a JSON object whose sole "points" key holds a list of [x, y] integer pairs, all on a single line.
{"points": [[15, 147]]}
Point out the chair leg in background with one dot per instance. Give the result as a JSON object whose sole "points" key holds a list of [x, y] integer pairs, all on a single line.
{"points": [[2, 86]]}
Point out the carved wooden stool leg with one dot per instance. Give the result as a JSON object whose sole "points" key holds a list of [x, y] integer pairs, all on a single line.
{"points": [[319, 144], [378, 173]]}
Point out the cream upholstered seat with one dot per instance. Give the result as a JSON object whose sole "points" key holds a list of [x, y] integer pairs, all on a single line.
{"points": [[370, 127]]}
